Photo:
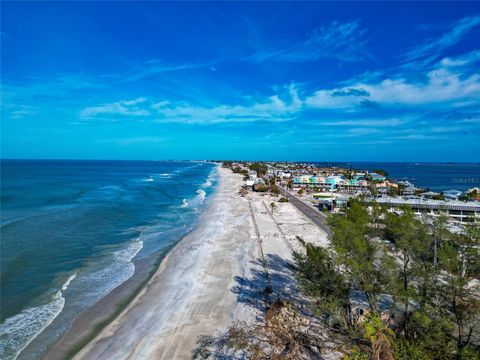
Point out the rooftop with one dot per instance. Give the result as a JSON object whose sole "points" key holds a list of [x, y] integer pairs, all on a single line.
{"points": [[427, 203]]}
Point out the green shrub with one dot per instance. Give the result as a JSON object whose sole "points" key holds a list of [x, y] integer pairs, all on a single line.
{"points": [[356, 354], [409, 350]]}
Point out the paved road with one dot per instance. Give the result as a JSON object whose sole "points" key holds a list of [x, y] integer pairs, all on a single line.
{"points": [[313, 214]]}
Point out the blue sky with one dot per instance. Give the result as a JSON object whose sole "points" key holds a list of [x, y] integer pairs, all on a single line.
{"points": [[275, 81]]}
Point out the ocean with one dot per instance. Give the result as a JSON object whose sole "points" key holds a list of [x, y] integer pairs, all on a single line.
{"points": [[434, 176], [70, 230]]}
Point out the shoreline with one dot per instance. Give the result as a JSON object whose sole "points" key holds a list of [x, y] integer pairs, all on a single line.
{"points": [[91, 321], [211, 278], [190, 293], [94, 318]]}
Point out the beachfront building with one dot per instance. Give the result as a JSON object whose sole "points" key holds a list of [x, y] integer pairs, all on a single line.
{"points": [[463, 211], [281, 174], [332, 182], [311, 182], [452, 194], [377, 177], [430, 195], [409, 191], [354, 184], [329, 200], [308, 182]]}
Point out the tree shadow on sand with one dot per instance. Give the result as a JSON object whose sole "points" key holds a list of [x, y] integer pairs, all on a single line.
{"points": [[257, 291]]}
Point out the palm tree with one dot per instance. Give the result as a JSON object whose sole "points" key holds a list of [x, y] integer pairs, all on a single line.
{"points": [[380, 337]]}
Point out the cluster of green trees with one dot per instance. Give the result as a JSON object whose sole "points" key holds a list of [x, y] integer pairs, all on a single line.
{"points": [[260, 168], [236, 169], [471, 195], [273, 186], [428, 275]]}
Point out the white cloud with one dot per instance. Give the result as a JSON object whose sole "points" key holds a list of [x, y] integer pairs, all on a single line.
{"points": [[273, 108], [472, 119], [341, 41], [19, 111], [353, 132], [465, 60], [432, 48], [138, 140], [441, 86], [124, 108], [365, 122], [282, 106], [382, 102], [155, 66], [134, 102]]}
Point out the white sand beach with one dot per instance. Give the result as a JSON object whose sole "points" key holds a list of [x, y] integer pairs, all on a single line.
{"points": [[211, 278]]}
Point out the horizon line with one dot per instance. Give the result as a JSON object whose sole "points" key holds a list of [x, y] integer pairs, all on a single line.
{"points": [[346, 162]]}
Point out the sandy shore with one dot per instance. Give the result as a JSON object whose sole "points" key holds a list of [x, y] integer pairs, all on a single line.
{"points": [[211, 278], [190, 293]]}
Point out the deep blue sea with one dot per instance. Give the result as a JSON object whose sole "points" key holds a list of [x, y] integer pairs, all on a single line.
{"points": [[70, 229], [435, 176]]}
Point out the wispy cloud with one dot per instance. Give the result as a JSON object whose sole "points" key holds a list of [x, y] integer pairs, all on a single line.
{"points": [[441, 86], [136, 140], [433, 48], [342, 41], [59, 86], [275, 108], [471, 119], [122, 108], [365, 122], [156, 66], [464, 60]]}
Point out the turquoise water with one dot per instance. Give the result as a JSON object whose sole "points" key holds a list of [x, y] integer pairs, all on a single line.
{"points": [[69, 232]]}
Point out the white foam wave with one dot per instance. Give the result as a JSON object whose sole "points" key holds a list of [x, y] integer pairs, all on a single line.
{"points": [[21, 329], [211, 178], [149, 179], [18, 331], [196, 201], [69, 280], [98, 283], [130, 252], [201, 195]]}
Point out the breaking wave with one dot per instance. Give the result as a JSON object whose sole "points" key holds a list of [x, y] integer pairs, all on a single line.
{"points": [[18, 331], [195, 201], [100, 282]]}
